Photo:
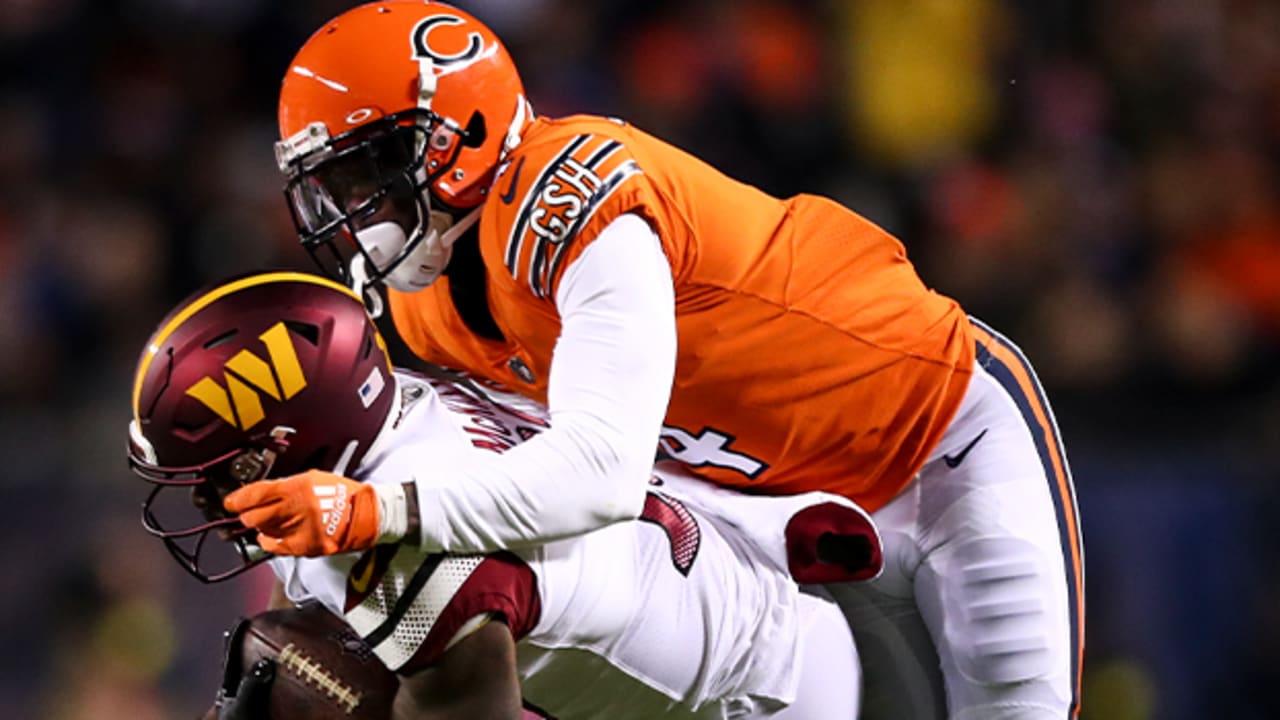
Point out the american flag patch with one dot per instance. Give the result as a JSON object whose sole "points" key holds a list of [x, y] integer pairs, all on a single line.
{"points": [[372, 387]]}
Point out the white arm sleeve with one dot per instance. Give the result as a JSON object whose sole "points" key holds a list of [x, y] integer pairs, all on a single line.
{"points": [[611, 377]]}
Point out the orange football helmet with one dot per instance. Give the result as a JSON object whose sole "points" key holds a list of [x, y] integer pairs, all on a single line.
{"points": [[394, 117]]}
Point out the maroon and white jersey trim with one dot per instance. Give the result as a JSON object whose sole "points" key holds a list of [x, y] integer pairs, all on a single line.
{"points": [[420, 602]]}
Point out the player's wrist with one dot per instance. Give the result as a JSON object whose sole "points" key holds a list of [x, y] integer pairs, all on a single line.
{"points": [[393, 513], [413, 532]]}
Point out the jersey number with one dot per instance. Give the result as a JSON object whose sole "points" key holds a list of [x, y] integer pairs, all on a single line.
{"points": [[709, 447]]}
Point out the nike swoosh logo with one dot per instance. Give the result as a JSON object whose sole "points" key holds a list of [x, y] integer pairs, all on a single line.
{"points": [[360, 583], [510, 194], [954, 461]]}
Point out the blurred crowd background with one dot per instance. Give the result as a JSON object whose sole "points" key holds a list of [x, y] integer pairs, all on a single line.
{"points": [[1098, 178]]}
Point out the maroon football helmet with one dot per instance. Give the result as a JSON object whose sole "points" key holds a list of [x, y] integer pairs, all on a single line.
{"points": [[264, 376]]}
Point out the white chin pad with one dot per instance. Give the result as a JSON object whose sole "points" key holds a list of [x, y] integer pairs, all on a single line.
{"points": [[384, 242]]}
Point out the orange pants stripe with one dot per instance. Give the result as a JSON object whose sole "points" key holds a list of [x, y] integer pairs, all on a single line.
{"points": [[1004, 361]]}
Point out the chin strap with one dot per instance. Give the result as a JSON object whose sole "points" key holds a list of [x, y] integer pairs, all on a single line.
{"points": [[523, 114], [451, 235], [360, 286]]}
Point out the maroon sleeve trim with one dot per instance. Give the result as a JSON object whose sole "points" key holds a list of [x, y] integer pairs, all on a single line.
{"points": [[502, 584], [829, 543]]}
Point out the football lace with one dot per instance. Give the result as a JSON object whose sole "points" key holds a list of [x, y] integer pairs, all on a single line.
{"points": [[313, 673]]}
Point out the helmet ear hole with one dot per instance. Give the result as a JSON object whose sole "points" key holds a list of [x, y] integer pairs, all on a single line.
{"points": [[307, 332], [475, 133]]}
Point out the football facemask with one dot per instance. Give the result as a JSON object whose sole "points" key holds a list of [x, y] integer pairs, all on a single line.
{"points": [[186, 539], [365, 198]]}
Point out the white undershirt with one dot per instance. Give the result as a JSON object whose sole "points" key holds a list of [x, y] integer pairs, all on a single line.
{"points": [[611, 377]]}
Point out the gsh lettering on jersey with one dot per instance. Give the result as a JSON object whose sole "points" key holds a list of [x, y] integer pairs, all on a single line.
{"points": [[559, 203]]}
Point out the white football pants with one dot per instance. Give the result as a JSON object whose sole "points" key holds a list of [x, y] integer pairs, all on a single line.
{"points": [[830, 674], [979, 614]]}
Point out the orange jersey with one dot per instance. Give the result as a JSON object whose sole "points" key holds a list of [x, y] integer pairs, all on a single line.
{"points": [[810, 356]]}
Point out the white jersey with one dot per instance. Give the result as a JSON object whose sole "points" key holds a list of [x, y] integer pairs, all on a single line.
{"points": [[690, 612]]}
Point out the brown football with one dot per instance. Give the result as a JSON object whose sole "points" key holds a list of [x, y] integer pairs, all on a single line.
{"points": [[324, 671]]}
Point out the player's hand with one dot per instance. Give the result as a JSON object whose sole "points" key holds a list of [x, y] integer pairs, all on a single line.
{"points": [[245, 693], [250, 698], [312, 513]]}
